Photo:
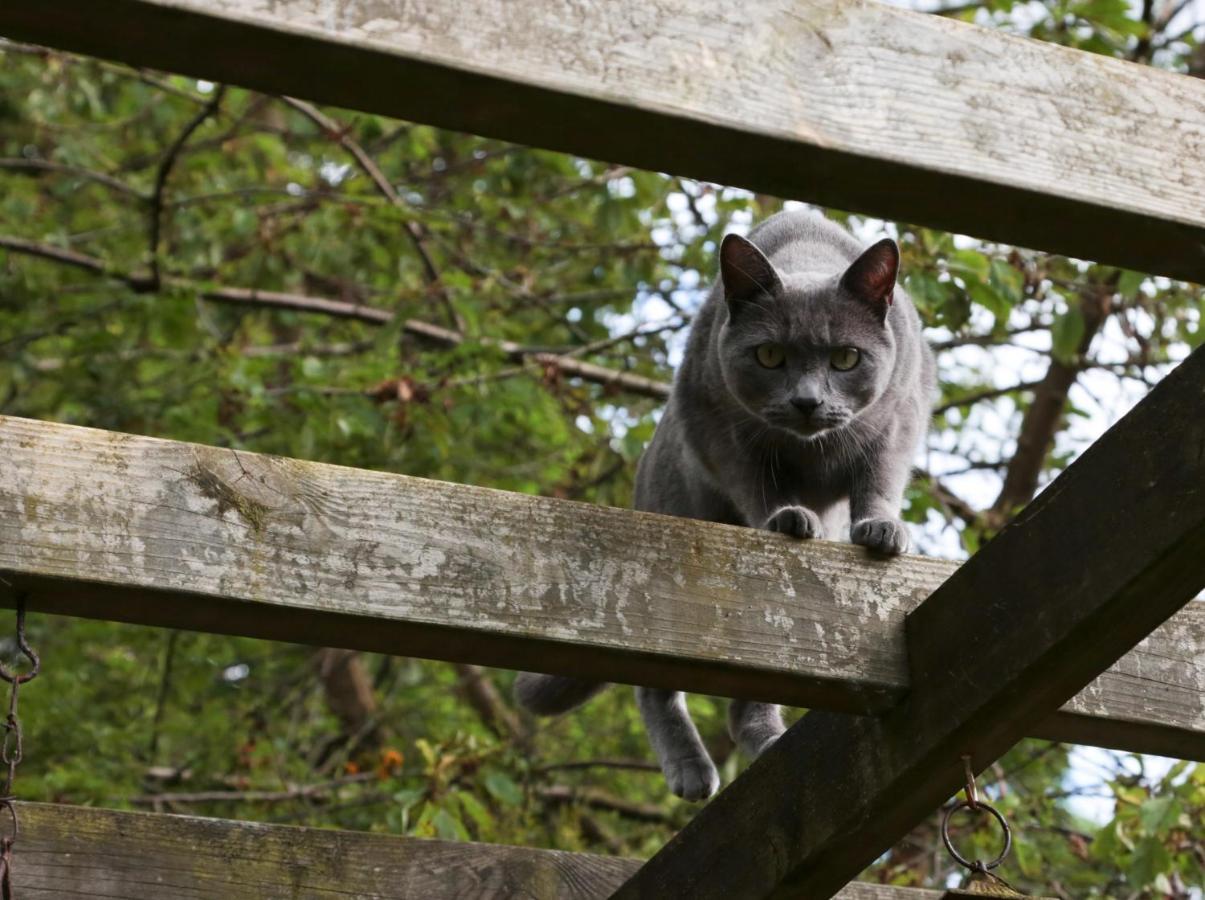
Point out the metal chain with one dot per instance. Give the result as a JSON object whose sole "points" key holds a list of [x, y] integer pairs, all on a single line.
{"points": [[11, 749]]}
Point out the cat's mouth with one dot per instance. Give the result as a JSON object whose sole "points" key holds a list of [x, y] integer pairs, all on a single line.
{"points": [[808, 428]]}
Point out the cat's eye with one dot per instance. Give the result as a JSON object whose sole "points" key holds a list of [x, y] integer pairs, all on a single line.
{"points": [[771, 355], [845, 358]]}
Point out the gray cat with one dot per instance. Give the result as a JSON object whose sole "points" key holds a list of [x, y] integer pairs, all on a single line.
{"points": [[805, 389]]}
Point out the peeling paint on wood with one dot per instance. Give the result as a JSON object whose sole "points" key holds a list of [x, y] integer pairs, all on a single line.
{"points": [[114, 526], [845, 103]]}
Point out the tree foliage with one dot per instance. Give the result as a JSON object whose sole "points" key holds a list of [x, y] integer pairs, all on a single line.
{"points": [[210, 264]]}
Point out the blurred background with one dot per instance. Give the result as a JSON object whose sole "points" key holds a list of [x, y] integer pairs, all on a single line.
{"points": [[191, 261]]}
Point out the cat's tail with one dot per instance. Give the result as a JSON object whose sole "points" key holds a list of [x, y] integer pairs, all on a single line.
{"points": [[547, 695]]}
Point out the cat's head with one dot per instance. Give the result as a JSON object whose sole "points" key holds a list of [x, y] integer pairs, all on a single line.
{"points": [[807, 353]]}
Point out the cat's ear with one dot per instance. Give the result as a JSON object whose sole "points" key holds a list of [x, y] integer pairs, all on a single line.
{"points": [[871, 277], [745, 271]]}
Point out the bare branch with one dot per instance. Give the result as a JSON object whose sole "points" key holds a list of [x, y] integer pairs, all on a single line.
{"points": [[640, 765], [46, 165], [1044, 415], [482, 694], [552, 363], [414, 230], [348, 691], [985, 394], [292, 792], [57, 254], [985, 340], [161, 175], [598, 799], [953, 503]]}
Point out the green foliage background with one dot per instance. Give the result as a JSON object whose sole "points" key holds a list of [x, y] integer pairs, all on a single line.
{"points": [[552, 252]]}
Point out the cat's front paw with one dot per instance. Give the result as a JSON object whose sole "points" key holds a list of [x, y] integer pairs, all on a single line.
{"points": [[889, 536], [693, 778], [797, 521]]}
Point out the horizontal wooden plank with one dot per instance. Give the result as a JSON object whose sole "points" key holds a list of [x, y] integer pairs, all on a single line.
{"points": [[135, 529], [72, 851], [845, 103]]}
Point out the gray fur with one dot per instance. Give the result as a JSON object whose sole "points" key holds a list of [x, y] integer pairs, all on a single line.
{"points": [[802, 449]]}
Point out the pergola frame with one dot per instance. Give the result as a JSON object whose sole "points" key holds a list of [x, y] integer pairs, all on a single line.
{"points": [[854, 105]]}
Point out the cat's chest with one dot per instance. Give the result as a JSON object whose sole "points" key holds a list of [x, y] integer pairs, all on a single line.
{"points": [[785, 475]]}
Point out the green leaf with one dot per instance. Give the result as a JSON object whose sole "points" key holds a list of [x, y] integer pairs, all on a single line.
{"points": [[477, 812], [1066, 334], [449, 827], [503, 788], [1007, 280], [1149, 859], [1028, 858], [987, 296], [1159, 813], [1129, 283], [970, 263]]}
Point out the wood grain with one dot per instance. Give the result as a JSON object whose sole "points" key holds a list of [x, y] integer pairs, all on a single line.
{"points": [[72, 851], [846, 103], [135, 529], [1075, 581], [67, 851]]}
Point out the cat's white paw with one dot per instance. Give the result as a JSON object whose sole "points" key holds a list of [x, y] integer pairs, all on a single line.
{"points": [[693, 778], [797, 521], [889, 536]]}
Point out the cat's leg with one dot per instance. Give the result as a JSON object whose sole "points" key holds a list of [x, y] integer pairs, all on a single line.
{"points": [[754, 726], [874, 504], [688, 768], [548, 695]]}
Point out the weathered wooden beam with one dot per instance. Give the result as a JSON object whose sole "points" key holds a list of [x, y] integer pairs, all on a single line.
{"points": [[1108, 551], [848, 104], [72, 851], [135, 529]]}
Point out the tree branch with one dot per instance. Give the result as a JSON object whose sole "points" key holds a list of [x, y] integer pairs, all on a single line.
{"points": [[640, 765], [58, 255], [954, 504], [552, 363], [986, 394], [292, 792], [1041, 421], [480, 692], [598, 799], [165, 685], [46, 165], [349, 694], [414, 231], [164, 170]]}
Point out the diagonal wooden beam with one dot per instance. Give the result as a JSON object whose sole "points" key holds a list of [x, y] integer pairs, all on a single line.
{"points": [[1108, 551], [115, 526], [848, 104]]}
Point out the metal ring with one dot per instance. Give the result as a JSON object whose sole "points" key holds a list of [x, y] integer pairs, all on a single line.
{"points": [[976, 865]]}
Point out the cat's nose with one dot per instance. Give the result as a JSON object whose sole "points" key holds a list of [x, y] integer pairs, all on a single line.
{"points": [[806, 405]]}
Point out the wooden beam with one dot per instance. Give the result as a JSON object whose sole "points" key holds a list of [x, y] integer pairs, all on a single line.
{"points": [[135, 529], [848, 104], [1108, 551], [73, 851]]}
